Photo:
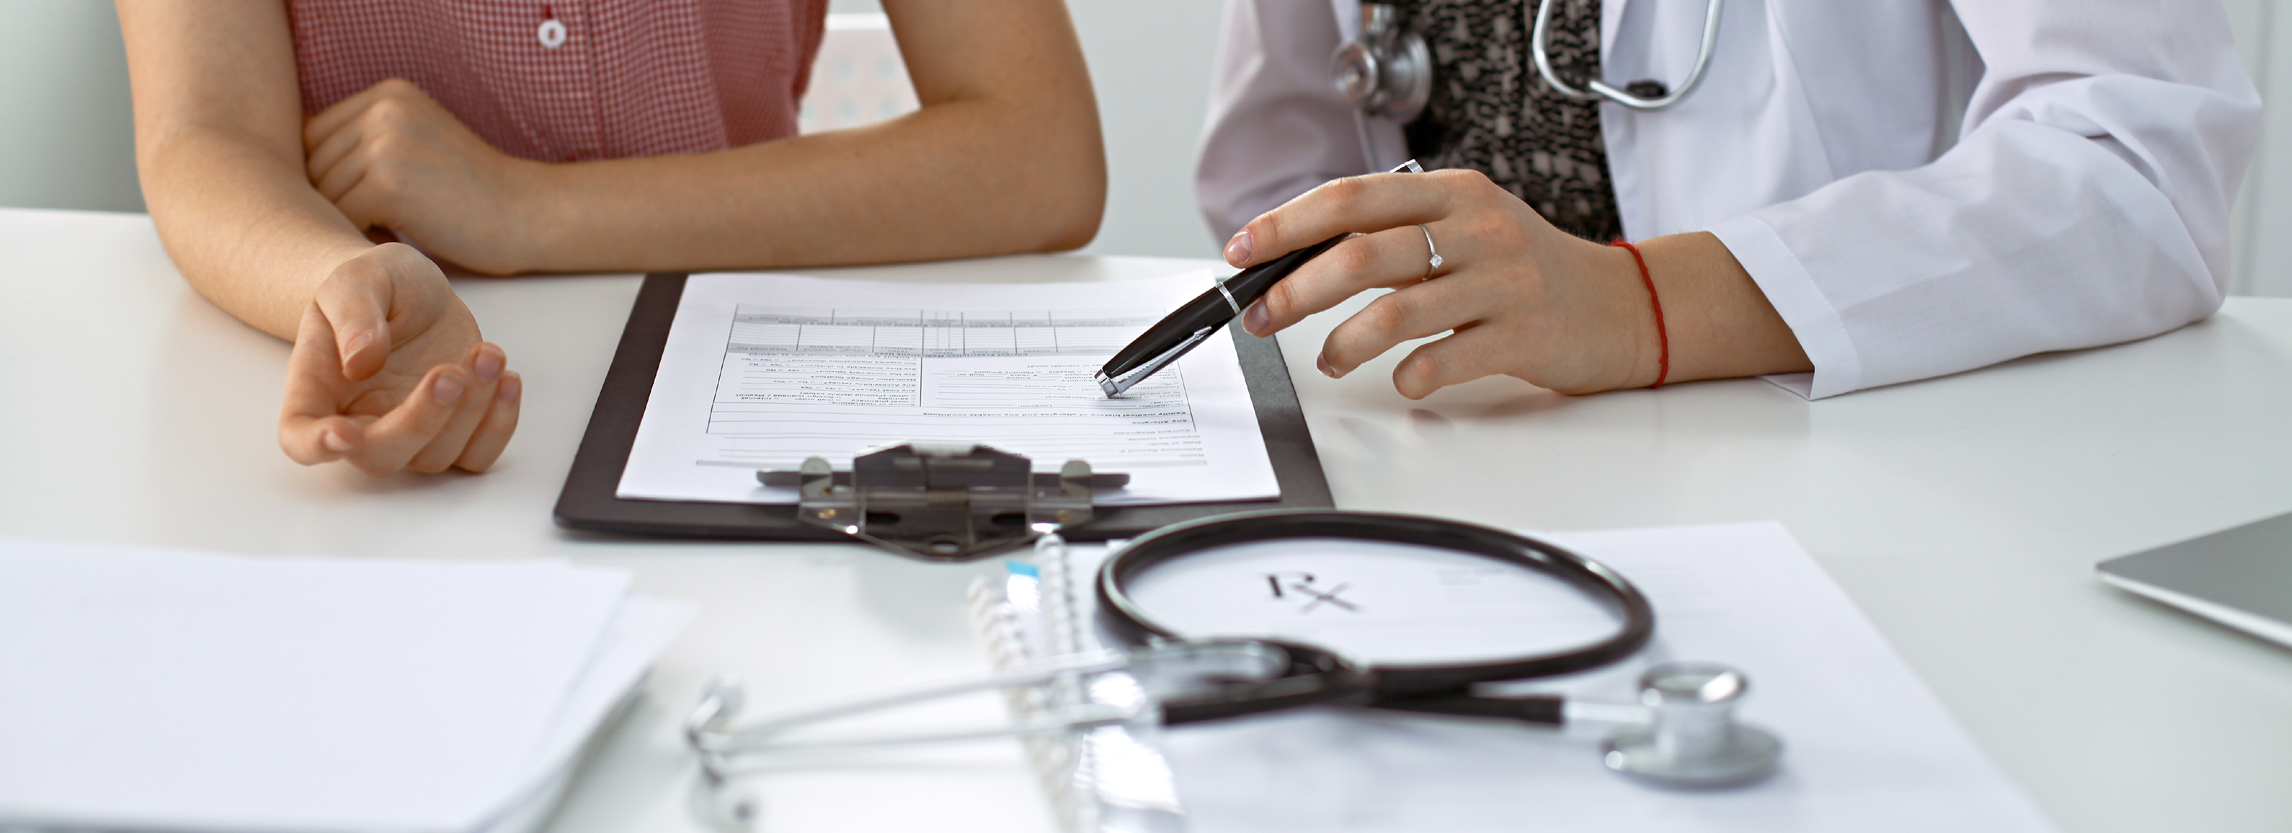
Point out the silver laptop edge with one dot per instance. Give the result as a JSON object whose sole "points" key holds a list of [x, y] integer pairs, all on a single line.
{"points": [[2240, 577]]}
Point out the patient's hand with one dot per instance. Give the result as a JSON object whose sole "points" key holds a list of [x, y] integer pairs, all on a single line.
{"points": [[393, 157], [389, 372]]}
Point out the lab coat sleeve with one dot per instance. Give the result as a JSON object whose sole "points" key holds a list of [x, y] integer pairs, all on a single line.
{"points": [[2086, 202], [1276, 126]]}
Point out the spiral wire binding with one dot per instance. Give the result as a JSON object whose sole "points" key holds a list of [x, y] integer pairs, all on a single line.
{"points": [[1074, 768]]}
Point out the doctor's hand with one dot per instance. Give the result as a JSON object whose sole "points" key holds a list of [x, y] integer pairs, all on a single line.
{"points": [[393, 157], [1522, 298], [1517, 296], [389, 372]]}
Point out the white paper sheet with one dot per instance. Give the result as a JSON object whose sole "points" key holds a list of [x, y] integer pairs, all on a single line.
{"points": [[1373, 601], [1867, 747], [157, 689], [762, 371], [640, 630]]}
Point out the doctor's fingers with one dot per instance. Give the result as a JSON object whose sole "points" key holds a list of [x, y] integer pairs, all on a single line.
{"points": [[1415, 312], [1370, 203], [1392, 258], [1476, 351], [1471, 353], [485, 364]]}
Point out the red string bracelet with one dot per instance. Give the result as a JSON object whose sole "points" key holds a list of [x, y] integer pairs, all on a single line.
{"points": [[1663, 360]]}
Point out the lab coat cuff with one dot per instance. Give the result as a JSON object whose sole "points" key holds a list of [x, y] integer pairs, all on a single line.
{"points": [[1804, 308]]}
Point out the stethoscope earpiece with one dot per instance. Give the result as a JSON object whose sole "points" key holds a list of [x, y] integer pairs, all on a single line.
{"points": [[726, 806]]}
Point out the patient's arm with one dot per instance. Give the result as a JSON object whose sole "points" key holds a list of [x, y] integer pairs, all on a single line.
{"points": [[389, 370], [1004, 156]]}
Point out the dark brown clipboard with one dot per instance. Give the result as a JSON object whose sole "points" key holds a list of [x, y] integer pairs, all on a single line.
{"points": [[588, 502]]}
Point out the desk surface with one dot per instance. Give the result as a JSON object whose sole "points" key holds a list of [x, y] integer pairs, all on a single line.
{"points": [[1963, 514]]}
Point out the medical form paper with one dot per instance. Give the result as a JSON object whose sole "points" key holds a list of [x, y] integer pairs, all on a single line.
{"points": [[764, 370]]}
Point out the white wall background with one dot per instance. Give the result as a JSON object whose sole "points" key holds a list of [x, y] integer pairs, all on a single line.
{"points": [[65, 138], [2264, 207], [66, 132], [1150, 61]]}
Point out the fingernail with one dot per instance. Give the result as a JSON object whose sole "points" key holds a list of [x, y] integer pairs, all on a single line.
{"points": [[1322, 364], [358, 346], [509, 390], [448, 389], [335, 442], [488, 366], [1240, 248], [1253, 320]]}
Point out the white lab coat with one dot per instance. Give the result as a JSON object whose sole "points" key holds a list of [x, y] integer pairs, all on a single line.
{"points": [[1919, 187]]}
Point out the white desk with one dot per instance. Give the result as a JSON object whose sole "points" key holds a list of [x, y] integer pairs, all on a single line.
{"points": [[1963, 514]]}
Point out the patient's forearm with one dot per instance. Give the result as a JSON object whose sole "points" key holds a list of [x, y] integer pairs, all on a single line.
{"points": [[218, 148], [944, 182], [1005, 156], [247, 231]]}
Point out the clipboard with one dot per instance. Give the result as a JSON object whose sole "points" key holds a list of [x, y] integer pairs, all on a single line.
{"points": [[589, 501]]}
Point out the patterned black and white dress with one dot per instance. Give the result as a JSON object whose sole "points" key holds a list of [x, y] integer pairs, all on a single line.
{"points": [[1491, 112]]}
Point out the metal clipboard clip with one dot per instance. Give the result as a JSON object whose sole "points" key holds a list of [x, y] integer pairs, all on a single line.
{"points": [[943, 502]]}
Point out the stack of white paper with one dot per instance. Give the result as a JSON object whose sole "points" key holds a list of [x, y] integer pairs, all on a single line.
{"points": [[189, 691]]}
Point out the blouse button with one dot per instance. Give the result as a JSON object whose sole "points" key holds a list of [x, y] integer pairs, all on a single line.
{"points": [[551, 34]]}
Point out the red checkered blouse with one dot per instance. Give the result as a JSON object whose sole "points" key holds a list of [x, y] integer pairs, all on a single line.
{"points": [[569, 80]]}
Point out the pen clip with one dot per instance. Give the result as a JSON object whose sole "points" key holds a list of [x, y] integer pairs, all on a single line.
{"points": [[1115, 385]]}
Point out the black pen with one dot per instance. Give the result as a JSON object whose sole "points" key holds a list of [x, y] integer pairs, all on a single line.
{"points": [[1194, 323]]}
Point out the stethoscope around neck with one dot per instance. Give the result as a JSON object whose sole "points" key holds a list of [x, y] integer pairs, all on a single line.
{"points": [[1388, 70]]}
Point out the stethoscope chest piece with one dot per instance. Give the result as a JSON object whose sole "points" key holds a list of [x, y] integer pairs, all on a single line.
{"points": [[1692, 738], [1388, 71]]}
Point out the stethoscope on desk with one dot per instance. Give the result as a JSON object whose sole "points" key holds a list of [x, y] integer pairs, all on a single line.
{"points": [[1681, 732], [1388, 70]]}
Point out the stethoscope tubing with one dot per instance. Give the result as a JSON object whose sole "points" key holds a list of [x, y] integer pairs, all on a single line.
{"points": [[1595, 89], [1439, 687]]}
